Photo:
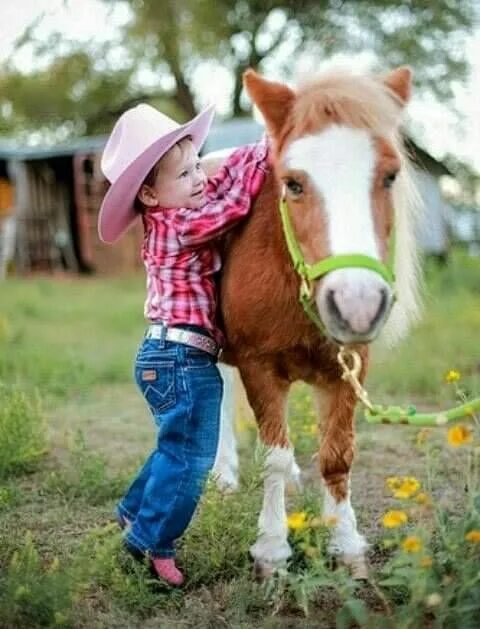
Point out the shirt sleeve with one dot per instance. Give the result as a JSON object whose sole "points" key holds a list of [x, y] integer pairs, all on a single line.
{"points": [[229, 195]]}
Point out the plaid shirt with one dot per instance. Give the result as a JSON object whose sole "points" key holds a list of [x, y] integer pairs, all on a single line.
{"points": [[180, 256]]}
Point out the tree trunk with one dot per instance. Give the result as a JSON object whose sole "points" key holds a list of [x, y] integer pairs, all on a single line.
{"points": [[183, 96], [237, 91]]}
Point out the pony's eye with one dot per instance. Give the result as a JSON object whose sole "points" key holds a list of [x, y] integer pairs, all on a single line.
{"points": [[294, 187], [389, 179]]}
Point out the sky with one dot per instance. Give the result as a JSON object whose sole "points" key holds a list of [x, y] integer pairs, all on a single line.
{"points": [[441, 129]]}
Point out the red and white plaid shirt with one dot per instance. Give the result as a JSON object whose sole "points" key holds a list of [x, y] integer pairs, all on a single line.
{"points": [[180, 256]]}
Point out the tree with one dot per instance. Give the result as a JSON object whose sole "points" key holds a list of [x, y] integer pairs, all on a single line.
{"points": [[244, 33], [80, 90]]}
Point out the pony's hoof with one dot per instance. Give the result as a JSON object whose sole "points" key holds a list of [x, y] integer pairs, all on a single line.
{"points": [[356, 565], [262, 570]]}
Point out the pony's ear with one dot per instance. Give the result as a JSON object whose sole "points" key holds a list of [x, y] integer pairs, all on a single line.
{"points": [[273, 99], [399, 81]]}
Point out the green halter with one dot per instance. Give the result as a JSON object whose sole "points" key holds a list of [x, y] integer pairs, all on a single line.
{"points": [[310, 272]]}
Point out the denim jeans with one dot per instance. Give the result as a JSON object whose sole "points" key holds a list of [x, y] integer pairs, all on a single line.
{"points": [[183, 389]]}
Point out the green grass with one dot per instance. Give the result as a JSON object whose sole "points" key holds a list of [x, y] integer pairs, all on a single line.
{"points": [[446, 338], [22, 431], [66, 336], [73, 428]]}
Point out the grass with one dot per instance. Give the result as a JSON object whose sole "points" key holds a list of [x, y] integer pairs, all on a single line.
{"points": [[73, 429]]}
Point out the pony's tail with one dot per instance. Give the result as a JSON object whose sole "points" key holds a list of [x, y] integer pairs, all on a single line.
{"points": [[408, 306]]}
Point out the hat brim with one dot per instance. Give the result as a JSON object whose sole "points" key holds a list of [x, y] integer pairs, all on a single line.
{"points": [[117, 212]]}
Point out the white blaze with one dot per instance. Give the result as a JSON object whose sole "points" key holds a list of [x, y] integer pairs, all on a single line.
{"points": [[340, 162]]}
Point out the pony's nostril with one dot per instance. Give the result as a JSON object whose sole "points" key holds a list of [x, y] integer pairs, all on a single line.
{"points": [[382, 306], [332, 305], [335, 310]]}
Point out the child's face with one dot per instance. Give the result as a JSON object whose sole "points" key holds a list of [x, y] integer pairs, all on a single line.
{"points": [[180, 180]]}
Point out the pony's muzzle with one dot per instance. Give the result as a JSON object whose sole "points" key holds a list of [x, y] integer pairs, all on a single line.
{"points": [[354, 304]]}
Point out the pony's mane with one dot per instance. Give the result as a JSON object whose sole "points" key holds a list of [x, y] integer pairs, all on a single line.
{"points": [[360, 101], [366, 102]]}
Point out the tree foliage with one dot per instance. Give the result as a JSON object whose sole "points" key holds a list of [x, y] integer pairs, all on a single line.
{"points": [[81, 88]]}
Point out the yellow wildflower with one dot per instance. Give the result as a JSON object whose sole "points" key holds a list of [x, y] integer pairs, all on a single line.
{"points": [[473, 536], [423, 499], [297, 521], [408, 487], [459, 435], [426, 562], [403, 487], [393, 519], [412, 544], [452, 376], [393, 482]]}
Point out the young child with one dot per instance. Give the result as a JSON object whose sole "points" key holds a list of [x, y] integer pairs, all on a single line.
{"points": [[153, 166]]}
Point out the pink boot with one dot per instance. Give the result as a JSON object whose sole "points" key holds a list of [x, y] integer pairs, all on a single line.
{"points": [[168, 571]]}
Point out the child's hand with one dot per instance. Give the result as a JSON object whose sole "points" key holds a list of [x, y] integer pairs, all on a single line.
{"points": [[255, 174]]}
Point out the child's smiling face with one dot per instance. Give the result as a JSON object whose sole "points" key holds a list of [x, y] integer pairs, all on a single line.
{"points": [[178, 181]]}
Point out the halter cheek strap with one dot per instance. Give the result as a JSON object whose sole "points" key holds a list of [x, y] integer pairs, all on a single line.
{"points": [[310, 272]]}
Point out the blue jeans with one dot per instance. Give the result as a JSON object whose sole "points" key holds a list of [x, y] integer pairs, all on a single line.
{"points": [[183, 389]]}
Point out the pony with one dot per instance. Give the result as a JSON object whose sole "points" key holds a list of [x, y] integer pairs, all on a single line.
{"points": [[340, 169]]}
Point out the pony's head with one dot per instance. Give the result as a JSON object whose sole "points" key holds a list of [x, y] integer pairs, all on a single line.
{"points": [[341, 163]]}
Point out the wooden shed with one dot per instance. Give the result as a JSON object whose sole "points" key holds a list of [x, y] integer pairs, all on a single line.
{"points": [[57, 194]]}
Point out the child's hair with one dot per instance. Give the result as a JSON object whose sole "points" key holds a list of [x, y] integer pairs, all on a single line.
{"points": [[150, 179]]}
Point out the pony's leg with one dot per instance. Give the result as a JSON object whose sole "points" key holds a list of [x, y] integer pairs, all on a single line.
{"points": [[335, 459], [225, 470], [267, 394]]}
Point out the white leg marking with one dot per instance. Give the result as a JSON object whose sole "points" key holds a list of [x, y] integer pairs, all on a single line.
{"points": [[295, 476], [345, 540], [225, 470], [271, 546]]}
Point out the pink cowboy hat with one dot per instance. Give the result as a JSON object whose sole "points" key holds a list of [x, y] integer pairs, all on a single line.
{"points": [[139, 139]]}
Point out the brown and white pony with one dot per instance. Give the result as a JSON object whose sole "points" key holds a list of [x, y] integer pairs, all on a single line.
{"points": [[337, 152]]}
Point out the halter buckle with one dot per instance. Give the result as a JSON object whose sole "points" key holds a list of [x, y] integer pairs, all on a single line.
{"points": [[306, 288]]}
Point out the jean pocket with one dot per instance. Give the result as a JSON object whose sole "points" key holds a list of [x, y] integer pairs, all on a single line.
{"points": [[157, 383]]}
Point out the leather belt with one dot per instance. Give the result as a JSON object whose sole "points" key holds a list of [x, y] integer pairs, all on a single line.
{"points": [[185, 337]]}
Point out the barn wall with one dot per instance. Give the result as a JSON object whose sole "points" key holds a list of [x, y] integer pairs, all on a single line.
{"points": [[90, 187]]}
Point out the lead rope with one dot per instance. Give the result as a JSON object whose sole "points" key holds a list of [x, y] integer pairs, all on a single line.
{"points": [[377, 414]]}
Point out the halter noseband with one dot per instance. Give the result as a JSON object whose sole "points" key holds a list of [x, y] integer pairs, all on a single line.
{"points": [[310, 272]]}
